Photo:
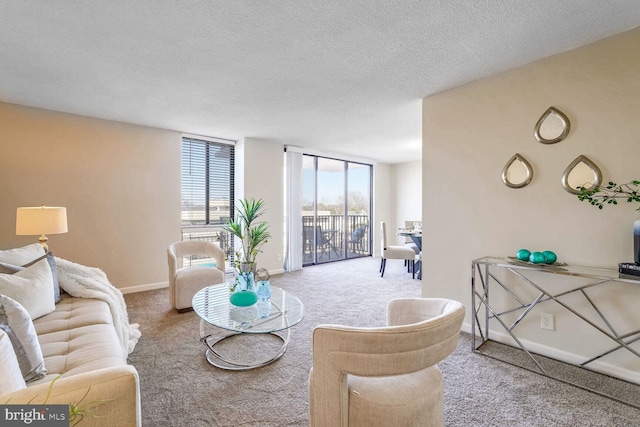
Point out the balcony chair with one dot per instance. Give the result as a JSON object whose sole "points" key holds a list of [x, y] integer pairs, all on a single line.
{"points": [[395, 252], [357, 237], [325, 242], [185, 281], [385, 376]]}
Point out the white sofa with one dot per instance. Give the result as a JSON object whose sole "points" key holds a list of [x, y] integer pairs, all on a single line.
{"points": [[83, 353]]}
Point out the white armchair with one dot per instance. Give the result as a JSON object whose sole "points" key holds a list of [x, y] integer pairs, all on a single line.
{"points": [[185, 281], [384, 376]]}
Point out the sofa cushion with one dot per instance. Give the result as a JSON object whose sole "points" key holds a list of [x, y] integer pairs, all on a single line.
{"points": [[78, 337], [7, 268], [31, 287], [10, 373], [51, 260], [17, 324], [23, 255]]}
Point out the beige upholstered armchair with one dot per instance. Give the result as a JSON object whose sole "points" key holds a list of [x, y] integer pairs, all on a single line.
{"points": [[184, 282], [384, 376]]}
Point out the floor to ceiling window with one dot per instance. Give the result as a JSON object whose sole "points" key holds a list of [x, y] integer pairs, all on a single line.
{"points": [[207, 190], [336, 208]]}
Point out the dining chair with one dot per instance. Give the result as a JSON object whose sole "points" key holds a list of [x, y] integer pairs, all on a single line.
{"points": [[384, 376], [394, 252], [185, 281]]}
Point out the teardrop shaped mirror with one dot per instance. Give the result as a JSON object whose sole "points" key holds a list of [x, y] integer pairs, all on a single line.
{"points": [[582, 172], [517, 173], [552, 127]]}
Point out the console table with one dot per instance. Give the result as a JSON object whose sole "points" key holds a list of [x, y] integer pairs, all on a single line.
{"points": [[517, 287]]}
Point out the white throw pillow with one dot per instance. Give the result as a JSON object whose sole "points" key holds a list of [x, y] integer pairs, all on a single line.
{"points": [[9, 369], [17, 325], [23, 255], [31, 287]]}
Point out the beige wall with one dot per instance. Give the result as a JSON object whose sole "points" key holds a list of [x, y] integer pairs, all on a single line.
{"points": [[407, 196], [383, 209], [260, 174], [470, 132], [120, 184]]}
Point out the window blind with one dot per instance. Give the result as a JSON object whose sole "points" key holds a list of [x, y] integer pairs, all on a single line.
{"points": [[207, 182]]}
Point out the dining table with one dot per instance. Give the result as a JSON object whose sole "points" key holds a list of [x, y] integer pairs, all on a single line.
{"points": [[416, 237]]}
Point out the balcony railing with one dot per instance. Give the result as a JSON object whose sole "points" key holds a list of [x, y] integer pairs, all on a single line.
{"points": [[333, 235]]}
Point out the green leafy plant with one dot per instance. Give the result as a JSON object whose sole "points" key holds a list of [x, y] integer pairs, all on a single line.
{"points": [[76, 411], [610, 194], [252, 233]]}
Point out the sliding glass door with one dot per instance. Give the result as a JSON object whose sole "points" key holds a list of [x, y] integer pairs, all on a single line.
{"points": [[336, 209]]}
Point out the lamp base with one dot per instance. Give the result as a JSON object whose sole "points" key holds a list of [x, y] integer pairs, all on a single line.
{"points": [[43, 241]]}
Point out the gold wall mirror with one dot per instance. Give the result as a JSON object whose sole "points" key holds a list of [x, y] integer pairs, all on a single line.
{"points": [[517, 173], [582, 172], [552, 127]]}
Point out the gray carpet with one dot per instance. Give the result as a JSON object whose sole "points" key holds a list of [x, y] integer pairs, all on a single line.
{"points": [[179, 387]]}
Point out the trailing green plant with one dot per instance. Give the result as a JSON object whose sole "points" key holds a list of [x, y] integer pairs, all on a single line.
{"points": [[253, 234], [76, 411], [611, 193]]}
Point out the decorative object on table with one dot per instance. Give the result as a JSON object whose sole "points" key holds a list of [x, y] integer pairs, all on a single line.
{"points": [[243, 289], [599, 196], [550, 257], [636, 241], [581, 172], [41, 220], [263, 291], [537, 257], [263, 287], [630, 268], [523, 255], [253, 234], [552, 127], [517, 172]]}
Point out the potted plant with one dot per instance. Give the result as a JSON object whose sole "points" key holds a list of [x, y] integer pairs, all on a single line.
{"points": [[609, 195], [253, 234]]}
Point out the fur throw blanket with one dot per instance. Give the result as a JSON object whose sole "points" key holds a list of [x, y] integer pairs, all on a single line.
{"points": [[88, 282]]}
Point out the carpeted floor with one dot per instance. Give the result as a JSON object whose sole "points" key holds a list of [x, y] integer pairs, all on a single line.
{"points": [[179, 387]]}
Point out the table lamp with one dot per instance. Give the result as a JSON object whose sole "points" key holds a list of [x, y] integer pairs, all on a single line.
{"points": [[41, 220]]}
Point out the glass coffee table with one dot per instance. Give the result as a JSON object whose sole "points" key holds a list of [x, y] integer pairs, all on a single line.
{"points": [[245, 337]]}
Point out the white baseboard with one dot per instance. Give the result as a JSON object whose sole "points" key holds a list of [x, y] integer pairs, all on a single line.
{"points": [[142, 288], [615, 371], [160, 285]]}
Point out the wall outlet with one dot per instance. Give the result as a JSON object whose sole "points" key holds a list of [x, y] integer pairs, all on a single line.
{"points": [[547, 322], [279, 257]]}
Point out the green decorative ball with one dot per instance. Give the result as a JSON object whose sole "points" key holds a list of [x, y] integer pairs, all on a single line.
{"points": [[550, 256], [537, 258], [243, 298], [523, 255]]}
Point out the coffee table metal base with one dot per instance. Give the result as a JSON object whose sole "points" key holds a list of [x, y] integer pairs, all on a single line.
{"points": [[219, 360]]}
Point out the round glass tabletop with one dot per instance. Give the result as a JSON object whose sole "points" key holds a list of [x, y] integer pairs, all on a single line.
{"points": [[281, 312]]}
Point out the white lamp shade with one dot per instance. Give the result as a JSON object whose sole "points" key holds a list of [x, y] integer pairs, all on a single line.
{"points": [[41, 220]]}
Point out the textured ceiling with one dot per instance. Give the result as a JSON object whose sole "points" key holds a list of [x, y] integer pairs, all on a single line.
{"points": [[339, 76]]}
